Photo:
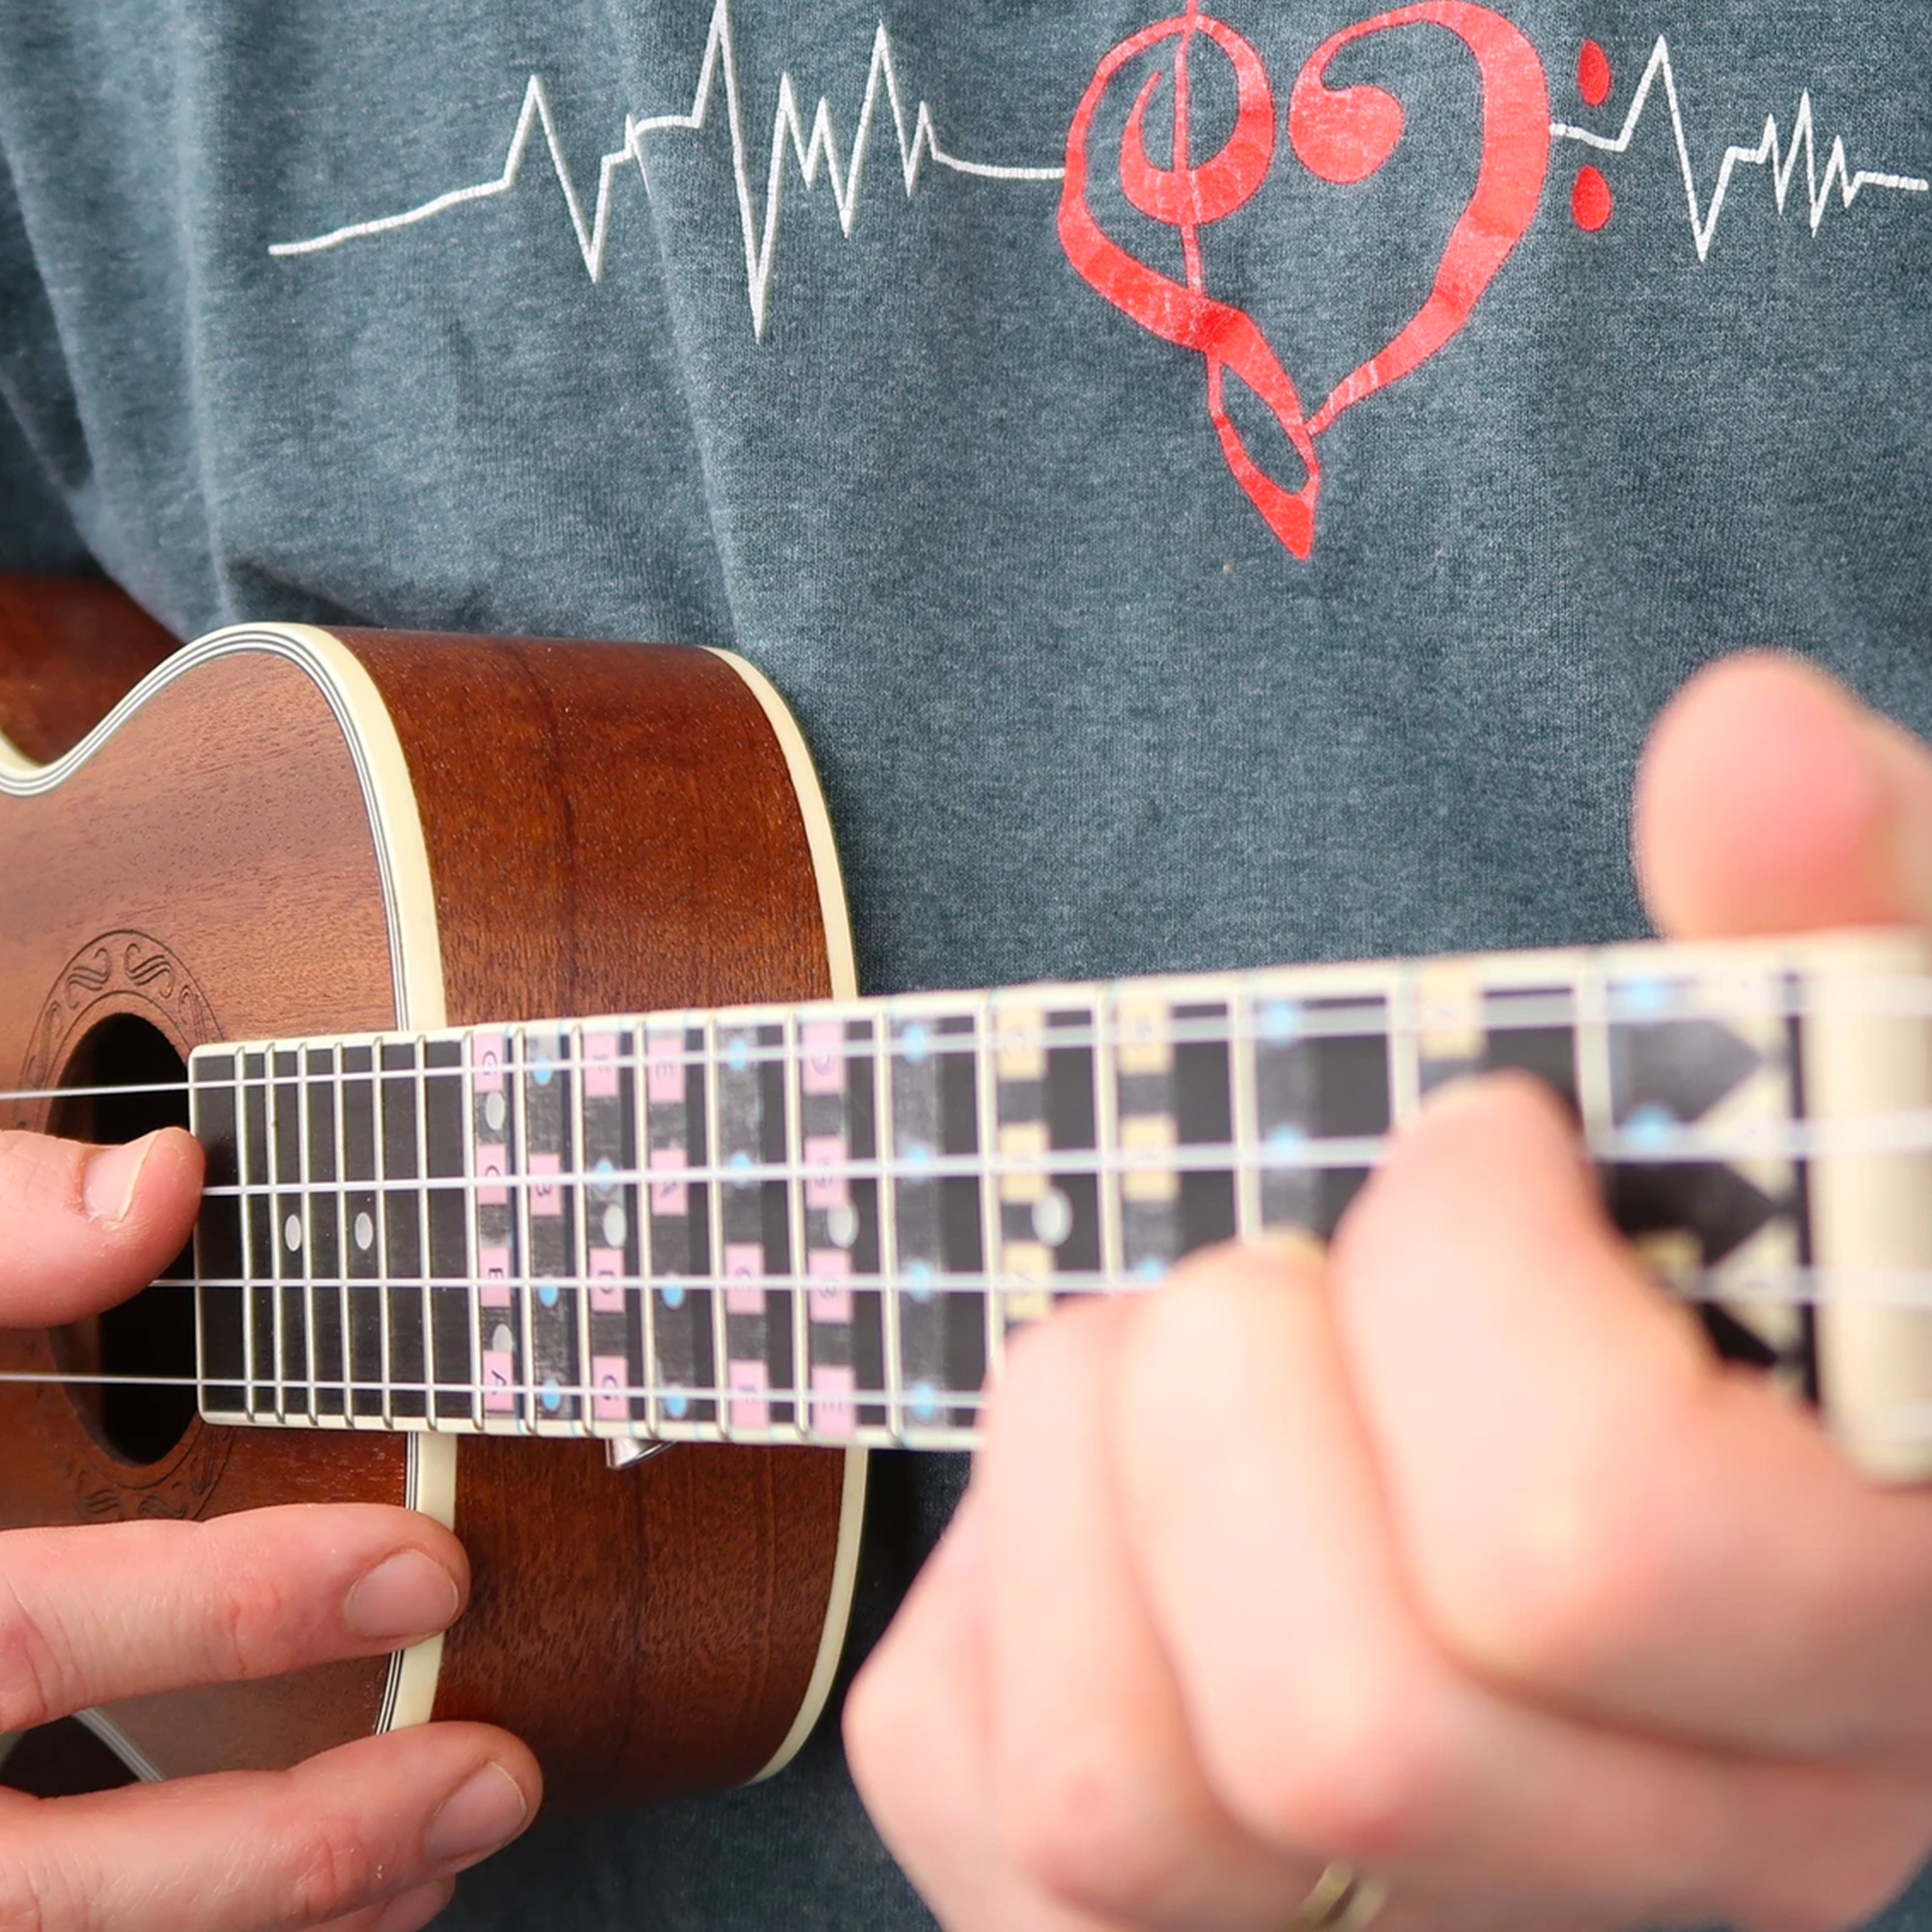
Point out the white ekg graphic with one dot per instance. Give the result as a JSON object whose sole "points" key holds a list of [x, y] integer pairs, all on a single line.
{"points": [[813, 147], [1770, 153]]}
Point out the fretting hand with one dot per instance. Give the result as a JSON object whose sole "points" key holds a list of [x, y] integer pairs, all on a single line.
{"points": [[365, 1838], [1456, 1556]]}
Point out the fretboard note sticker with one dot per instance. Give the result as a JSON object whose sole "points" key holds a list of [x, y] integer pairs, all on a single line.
{"points": [[1047, 1148], [289, 1221], [404, 1262], [614, 1302], [219, 1264], [1322, 1097], [368, 1323], [839, 1221], [446, 1222], [1701, 1067], [684, 1363], [495, 1232], [546, 1086], [258, 1239], [329, 1294], [935, 1227], [751, 1209]]}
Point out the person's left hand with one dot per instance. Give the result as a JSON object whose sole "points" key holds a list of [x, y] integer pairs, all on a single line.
{"points": [[1458, 1556]]}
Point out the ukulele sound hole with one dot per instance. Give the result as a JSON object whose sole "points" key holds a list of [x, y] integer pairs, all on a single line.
{"points": [[152, 1335]]}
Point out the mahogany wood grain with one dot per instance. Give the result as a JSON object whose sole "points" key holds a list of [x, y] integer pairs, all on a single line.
{"points": [[608, 828], [611, 828]]}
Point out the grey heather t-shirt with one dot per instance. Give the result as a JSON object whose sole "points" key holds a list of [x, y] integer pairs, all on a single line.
{"points": [[1262, 535]]}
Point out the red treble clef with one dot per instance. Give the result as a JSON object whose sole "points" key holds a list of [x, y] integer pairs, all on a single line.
{"points": [[1188, 197], [1344, 134]]}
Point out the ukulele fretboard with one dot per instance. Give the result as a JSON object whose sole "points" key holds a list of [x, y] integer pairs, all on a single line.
{"points": [[823, 1222]]}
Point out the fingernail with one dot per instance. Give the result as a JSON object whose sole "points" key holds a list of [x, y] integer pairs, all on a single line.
{"points": [[112, 1175], [1295, 1246], [481, 1815], [413, 1910], [406, 1595]]}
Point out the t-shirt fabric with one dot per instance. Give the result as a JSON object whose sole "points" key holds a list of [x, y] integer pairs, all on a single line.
{"points": [[1255, 524]]}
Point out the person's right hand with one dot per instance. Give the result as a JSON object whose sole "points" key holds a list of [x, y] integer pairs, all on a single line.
{"points": [[367, 1838]]}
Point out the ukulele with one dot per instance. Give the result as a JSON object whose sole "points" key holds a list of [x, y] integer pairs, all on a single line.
{"points": [[625, 1292]]}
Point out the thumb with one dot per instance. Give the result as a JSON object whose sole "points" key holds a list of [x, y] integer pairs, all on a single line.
{"points": [[83, 1227], [1769, 800]]}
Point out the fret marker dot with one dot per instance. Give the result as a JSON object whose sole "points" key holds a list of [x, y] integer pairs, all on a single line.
{"points": [[676, 1402], [501, 1340], [292, 1232], [924, 1403], [841, 1224], [495, 1111], [365, 1232], [916, 1043], [1286, 1143], [918, 1155], [919, 1279], [1281, 1019], [737, 1052], [546, 1294], [542, 1070], [741, 1167], [553, 1396], [674, 1295], [1052, 1217], [615, 1226]]}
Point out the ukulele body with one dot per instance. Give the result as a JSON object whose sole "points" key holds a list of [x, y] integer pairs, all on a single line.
{"points": [[286, 831]]}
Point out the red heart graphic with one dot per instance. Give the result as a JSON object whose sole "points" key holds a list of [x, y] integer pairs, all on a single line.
{"points": [[1341, 134]]}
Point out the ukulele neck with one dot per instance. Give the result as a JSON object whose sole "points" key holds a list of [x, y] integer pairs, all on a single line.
{"points": [[823, 1222]]}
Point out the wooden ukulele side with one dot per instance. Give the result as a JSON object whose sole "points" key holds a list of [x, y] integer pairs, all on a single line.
{"points": [[286, 831]]}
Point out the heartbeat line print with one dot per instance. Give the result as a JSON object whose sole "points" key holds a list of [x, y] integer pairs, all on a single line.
{"points": [[1770, 153], [813, 146]]}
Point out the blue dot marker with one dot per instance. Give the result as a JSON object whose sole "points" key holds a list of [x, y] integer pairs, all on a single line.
{"points": [[916, 1043], [925, 1403], [676, 1402], [546, 1294], [674, 1295], [737, 1054], [919, 1280], [1286, 1143], [918, 1155], [741, 1164], [1281, 1019], [553, 1396], [604, 1167], [541, 1070], [1643, 999], [1652, 1126], [1151, 1268]]}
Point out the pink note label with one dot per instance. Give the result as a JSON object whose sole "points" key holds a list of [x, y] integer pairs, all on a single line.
{"points": [[492, 1164], [824, 1177], [744, 1278], [546, 1195], [830, 1297], [493, 1264], [600, 1066], [824, 1069], [607, 1278], [500, 1376], [669, 1194], [750, 1411], [664, 1068], [610, 1401], [486, 1061], [834, 1413]]}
